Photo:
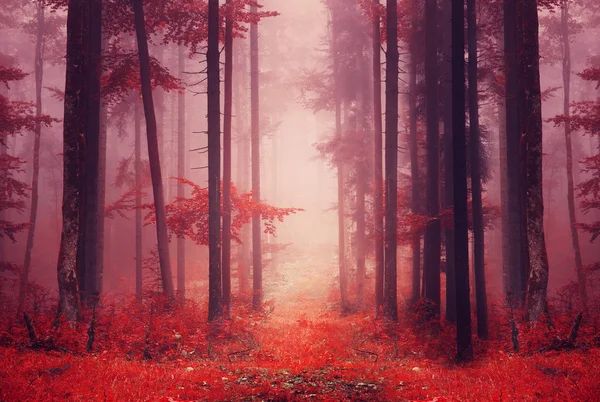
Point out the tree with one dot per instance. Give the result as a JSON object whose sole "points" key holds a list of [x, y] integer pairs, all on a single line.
{"points": [[153, 153], [476, 183], [73, 135], [431, 263], [461, 234], [138, 197], [227, 118], [39, 75], [214, 163], [378, 161], [390, 303], [255, 150], [537, 284], [566, 73], [181, 173]]}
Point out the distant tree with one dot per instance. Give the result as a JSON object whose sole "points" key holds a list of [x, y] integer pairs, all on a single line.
{"points": [[181, 173], [390, 303]]}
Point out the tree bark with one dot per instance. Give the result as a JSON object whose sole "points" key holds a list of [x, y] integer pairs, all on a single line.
{"points": [[139, 254], [255, 139], [566, 72], [390, 302], [73, 134], [39, 74], [461, 231], [476, 185], [447, 201], [101, 186], [153, 154], [227, 160], [378, 163], [513, 140], [431, 263], [537, 285], [181, 174], [214, 162]]}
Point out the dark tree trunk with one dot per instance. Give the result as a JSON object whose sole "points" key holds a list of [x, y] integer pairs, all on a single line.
{"points": [[92, 156], [431, 263], [506, 276], [181, 174], [39, 73], [101, 189], [214, 162], [153, 155], [390, 301], [476, 186], [139, 254], [566, 67], [378, 163], [447, 201], [461, 229], [516, 245], [227, 161], [73, 134], [255, 134], [537, 285]]}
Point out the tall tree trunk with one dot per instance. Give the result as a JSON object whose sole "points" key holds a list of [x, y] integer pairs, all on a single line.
{"points": [[537, 285], [505, 232], [73, 134], [214, 163], [103, 137], [255, 134], [414, 173], [39, 74], [243, 157], [92, 157], [461, 228], [378, 163], [153, 155], [227, 160], [513, 139], [390, 302], [431, 263], [139, 254], [181, 174], [566, 67], [476, 185], [447, 201]]}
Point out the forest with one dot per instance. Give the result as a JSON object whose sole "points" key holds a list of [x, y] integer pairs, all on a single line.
{"points": [[282, 200]]}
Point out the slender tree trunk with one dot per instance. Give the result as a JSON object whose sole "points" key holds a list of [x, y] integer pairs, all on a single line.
{"points": [[390, 302], [73, 134], [39, 74], [153, 155], [461, 231], [139, 254], [476, 185], [255, 134], [431, 264], [361, 189], [447, 201], [537, 285], [566, 67], [92, 156], [103, 137], [378, 163], [513, 140], [414, 174], [181, 174], [214, 162], [227, 160]]}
